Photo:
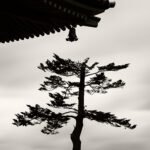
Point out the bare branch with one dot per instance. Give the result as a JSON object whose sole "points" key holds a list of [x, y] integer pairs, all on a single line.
{"points": [[69, 112], [91, 74]]}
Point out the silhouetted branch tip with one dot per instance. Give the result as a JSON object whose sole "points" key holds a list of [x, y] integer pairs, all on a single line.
{"points": [[112, 67], [108, 118]]}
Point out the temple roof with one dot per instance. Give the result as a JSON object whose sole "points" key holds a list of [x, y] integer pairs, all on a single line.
{"points": [[23, 19]]}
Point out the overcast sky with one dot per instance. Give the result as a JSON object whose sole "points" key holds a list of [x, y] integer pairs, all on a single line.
{"points": [[123, 36]]}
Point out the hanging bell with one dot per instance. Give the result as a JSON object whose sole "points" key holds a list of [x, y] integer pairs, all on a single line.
{"points": [[72, 35]]}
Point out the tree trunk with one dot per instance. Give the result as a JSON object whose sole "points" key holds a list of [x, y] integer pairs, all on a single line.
{"points": [[75, 136]]}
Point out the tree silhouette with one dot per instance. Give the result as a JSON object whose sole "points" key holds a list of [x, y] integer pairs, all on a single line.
{"points": [[61, 90]]}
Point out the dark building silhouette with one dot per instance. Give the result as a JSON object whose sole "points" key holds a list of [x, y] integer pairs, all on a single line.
{"points": [[23, 19]]}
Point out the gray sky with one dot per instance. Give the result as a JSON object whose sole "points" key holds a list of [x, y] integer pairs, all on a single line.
{"points": [[123, 37]]}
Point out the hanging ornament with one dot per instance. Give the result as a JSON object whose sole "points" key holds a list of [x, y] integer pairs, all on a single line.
{"points": [[72, 35]]}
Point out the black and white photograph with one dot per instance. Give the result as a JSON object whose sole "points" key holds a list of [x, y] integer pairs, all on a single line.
{"points": [[74, 75]]}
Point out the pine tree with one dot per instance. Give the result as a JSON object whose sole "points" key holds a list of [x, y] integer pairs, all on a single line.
{"points": [[61, 90]]}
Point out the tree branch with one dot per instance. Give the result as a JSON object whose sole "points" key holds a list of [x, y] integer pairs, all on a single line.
{"points": [[70, 116], [108, 118], [69, 112], [92, 73]]}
